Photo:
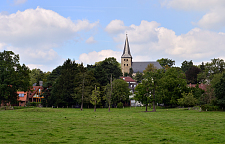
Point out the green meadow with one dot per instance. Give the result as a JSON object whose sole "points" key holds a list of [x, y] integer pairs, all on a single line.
{"points": [[67, 125]]}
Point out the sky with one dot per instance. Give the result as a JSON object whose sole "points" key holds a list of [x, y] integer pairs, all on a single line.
{"points": [[46, 33]]}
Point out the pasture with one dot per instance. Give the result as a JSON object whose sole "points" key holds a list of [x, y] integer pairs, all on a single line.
{"points": [[67, 125]]}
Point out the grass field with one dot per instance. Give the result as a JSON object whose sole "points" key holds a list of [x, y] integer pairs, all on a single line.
{"points": [[47, 125]]}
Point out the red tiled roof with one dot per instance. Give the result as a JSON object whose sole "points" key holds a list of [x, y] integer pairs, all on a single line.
{"points": [[201, 86], [128, 79]]}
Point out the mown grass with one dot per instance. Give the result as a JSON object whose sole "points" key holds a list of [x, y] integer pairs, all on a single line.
{"points": [[47, 125]]}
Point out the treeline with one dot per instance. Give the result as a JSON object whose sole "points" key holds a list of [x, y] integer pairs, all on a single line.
{"points": [[170, 85], [74, 85]]}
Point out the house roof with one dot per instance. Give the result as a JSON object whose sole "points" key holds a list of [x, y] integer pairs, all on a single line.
{"points": [[126, 50], [140, 66], [128, 79], [34, 89], [201, 86]]}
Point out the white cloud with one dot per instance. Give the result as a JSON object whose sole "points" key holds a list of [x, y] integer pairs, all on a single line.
{"points": [[115, 26], [34, 33], [17, 2], [94, 56], [150, 42], [90, 40], [215, 11]]}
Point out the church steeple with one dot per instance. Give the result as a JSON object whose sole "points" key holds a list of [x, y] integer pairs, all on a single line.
{"points": [[126, 50], [126, 58]]}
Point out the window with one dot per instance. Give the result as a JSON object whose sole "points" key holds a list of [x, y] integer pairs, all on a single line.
{"points": [[34, 88], [21, 95], [124, 59], [127, 59], [124, 64], [134, 85], [127, 64]]}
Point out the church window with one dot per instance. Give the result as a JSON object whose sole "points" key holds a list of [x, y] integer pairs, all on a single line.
{"points": [[127, 64], [127, 59], [124, 59], [124, 64]]}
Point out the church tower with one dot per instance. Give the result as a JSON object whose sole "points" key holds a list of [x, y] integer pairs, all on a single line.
{"points": [[126, 58]]}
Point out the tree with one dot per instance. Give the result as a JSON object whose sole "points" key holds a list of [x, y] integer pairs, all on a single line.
{"points": [[143, 93], [153, 77], [186, 65], [131, 72], [95, 99], [166, 62], [108, 92], [64, 84], [84, 84], [187, 100], [192, 73], [220, 91], [120, 91], [13, 77], [105, 68], [138, 77], [172, 85], [150, 67], [47, 87]]}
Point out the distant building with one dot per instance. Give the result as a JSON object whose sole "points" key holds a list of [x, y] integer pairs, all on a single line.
{"points": [[132, 83], [201, 86], [127, 63]]}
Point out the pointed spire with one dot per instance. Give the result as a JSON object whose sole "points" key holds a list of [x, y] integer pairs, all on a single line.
{"points": [[126, 50]]}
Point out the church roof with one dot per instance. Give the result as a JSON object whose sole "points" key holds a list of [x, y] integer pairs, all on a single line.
{"points": [[140, 66], [126, 50]]}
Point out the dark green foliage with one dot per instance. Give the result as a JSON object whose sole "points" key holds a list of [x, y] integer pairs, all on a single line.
{"points": [[51, 79], [13, 77], [166, 62], [131, 73], [64, 85], [105, 68], [209, 107], [191, 74], [186, 65], [138, 77], [172, 85], [120, 105], [220, 91]]}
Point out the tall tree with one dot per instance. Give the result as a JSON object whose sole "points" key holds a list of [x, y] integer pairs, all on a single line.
{"points": [[85, 82], [186, 65], [64, 84], [220, 91], [149, 68], [166, 62], [192, 73], [13, 77], [105, 68], [138, 77], [172, 84]]}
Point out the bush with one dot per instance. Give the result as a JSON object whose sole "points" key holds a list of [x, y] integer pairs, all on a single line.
{"points": [[120, 105], [209, 107], [35, 103]]}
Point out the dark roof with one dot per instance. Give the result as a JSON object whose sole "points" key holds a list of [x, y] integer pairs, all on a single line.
{"points": [[126, 50], [140, 66], [128, 79]]}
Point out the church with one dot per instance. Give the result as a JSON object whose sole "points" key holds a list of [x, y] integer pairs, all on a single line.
{"points": [[127, 63]]}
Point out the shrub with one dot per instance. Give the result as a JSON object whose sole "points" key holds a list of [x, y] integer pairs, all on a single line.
{"points": [[120, 105], [209, 107]]}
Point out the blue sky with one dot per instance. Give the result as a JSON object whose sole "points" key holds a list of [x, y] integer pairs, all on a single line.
{"points": [[46, 33]]}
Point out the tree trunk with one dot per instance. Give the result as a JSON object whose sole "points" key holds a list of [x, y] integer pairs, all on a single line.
{"points": [[153, 103], [95, 101], [81, 108], [110, 92], [146, 107]]}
